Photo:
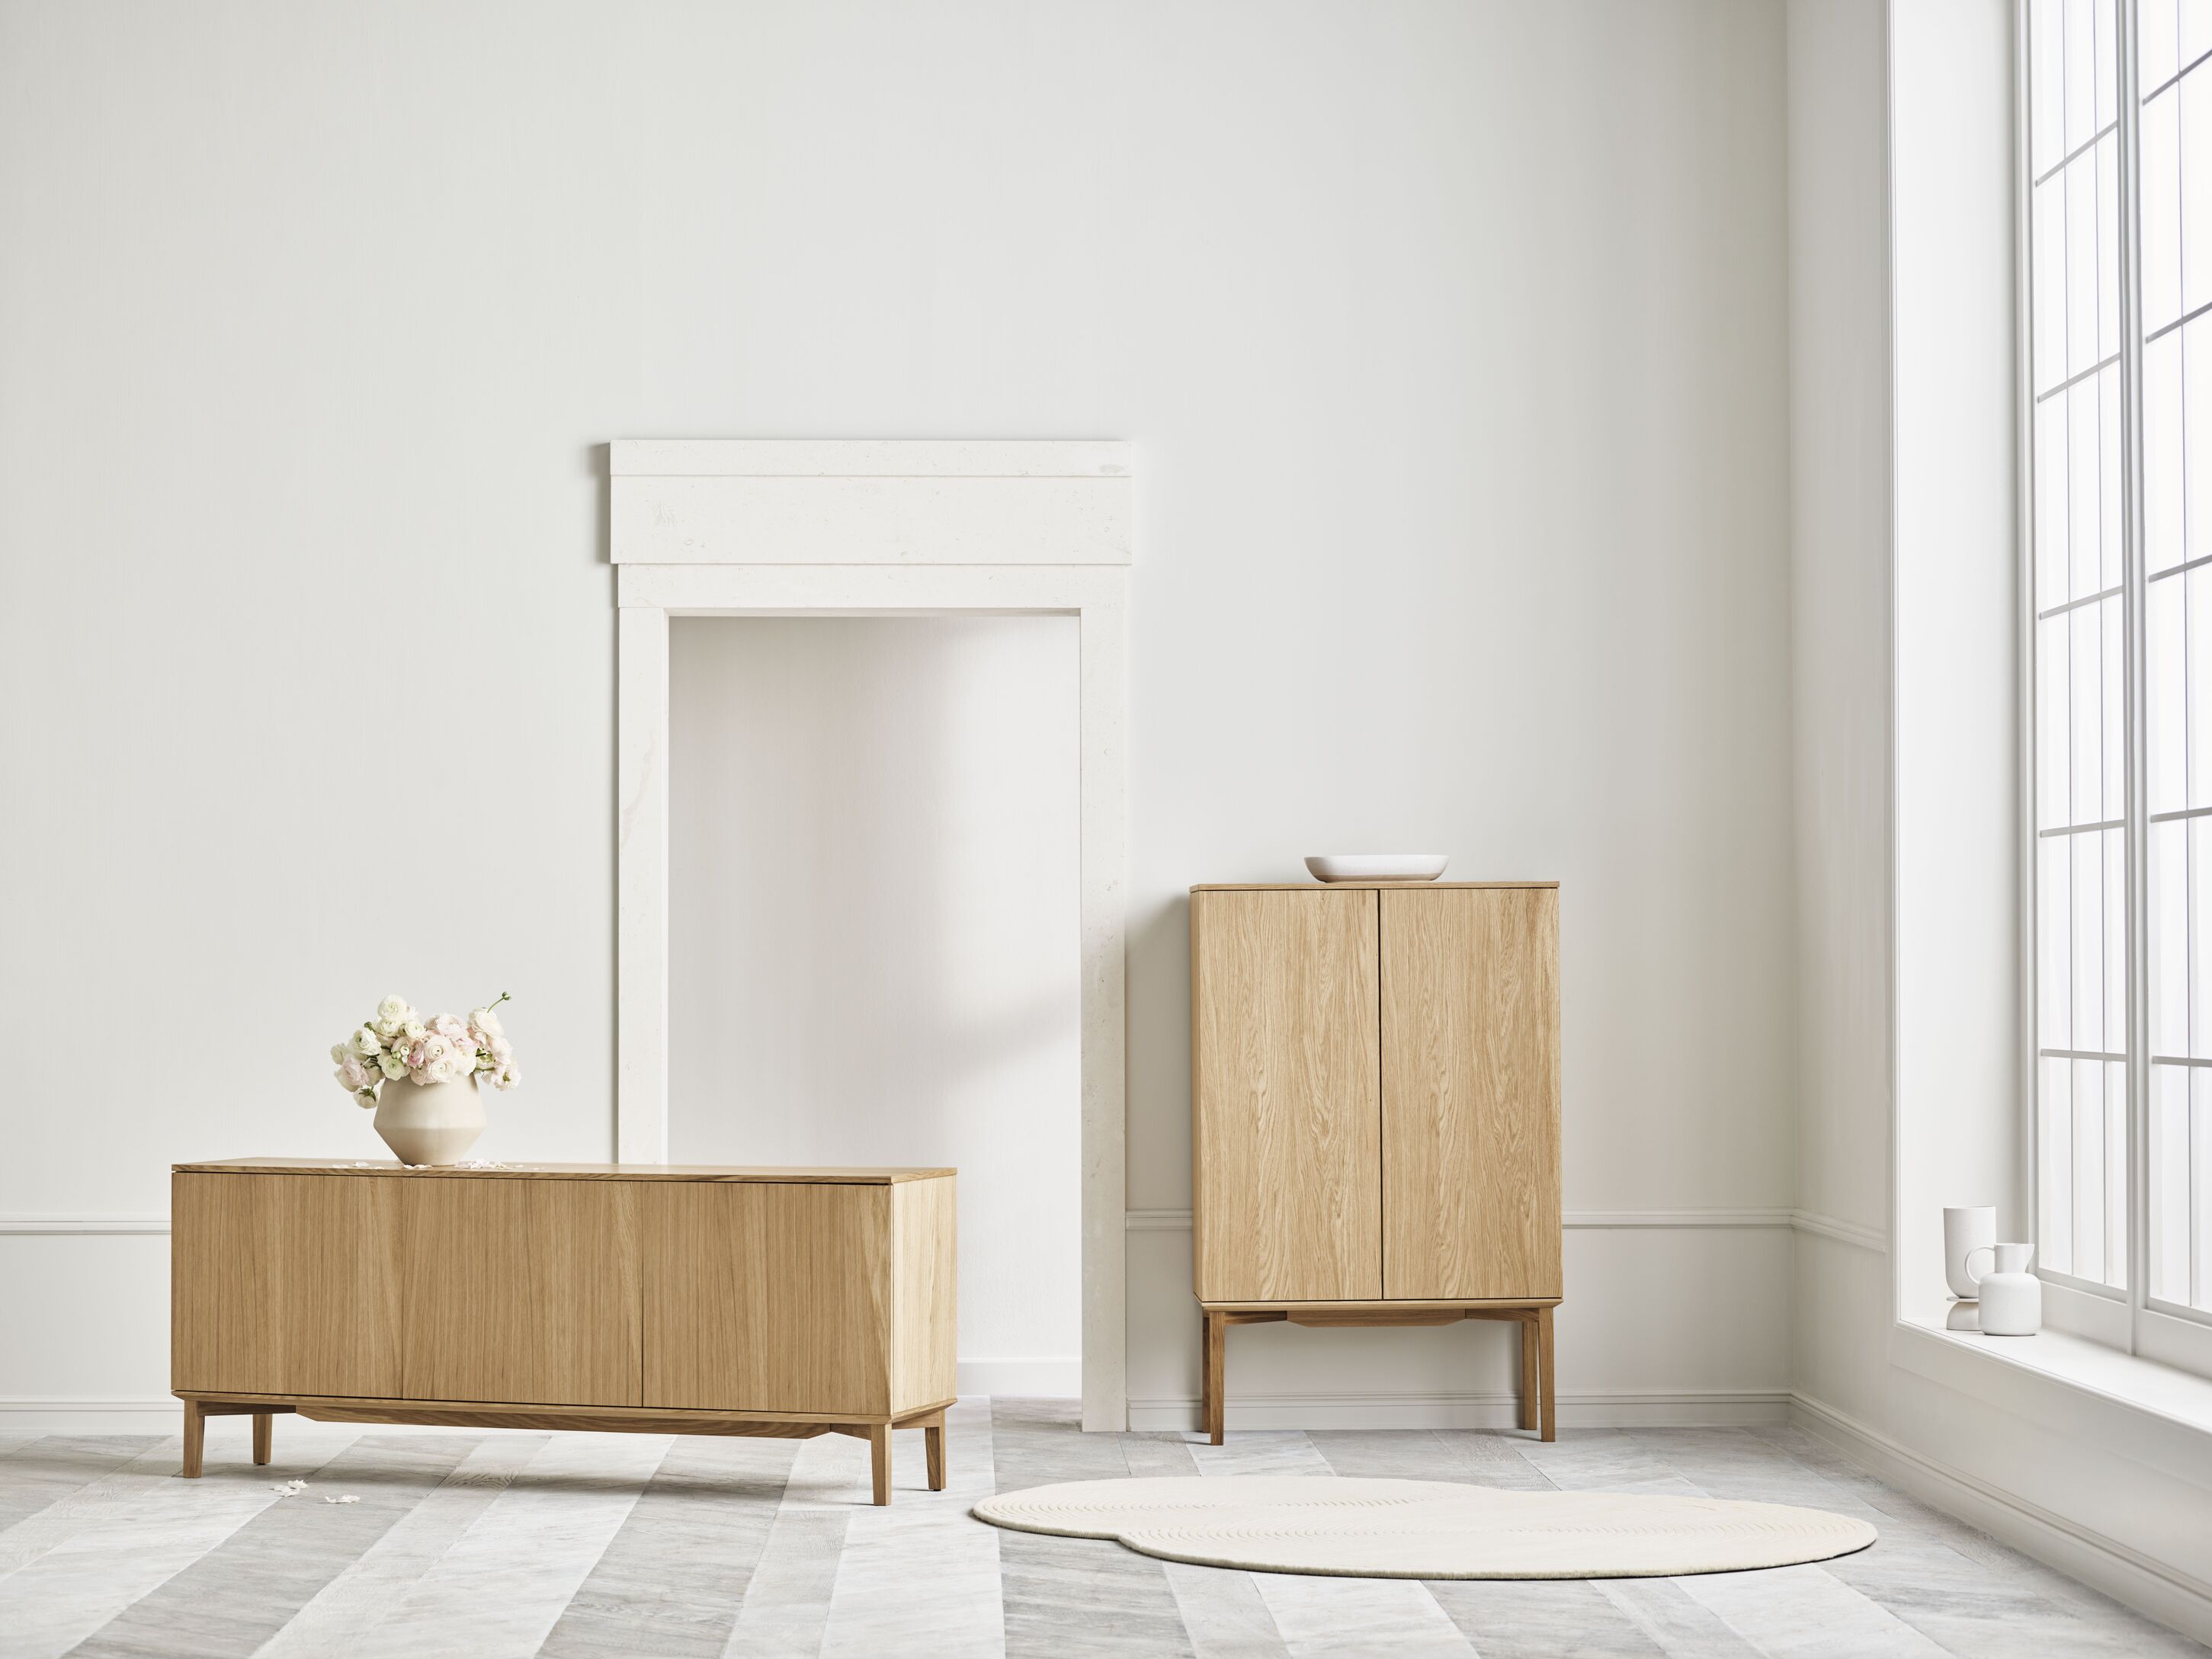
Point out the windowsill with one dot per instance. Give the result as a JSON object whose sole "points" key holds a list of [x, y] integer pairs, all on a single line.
{"points": [[2121, 1402]]}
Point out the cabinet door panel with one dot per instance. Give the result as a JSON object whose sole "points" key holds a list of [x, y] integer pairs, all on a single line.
{"points": [[1470, 1092], [524, 1291], [1285, 1119], [768, 1297], [284, 1284]]}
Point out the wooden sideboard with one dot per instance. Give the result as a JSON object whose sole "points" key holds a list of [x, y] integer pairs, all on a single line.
{"points": [[665, 1299], [1374, 1112]]}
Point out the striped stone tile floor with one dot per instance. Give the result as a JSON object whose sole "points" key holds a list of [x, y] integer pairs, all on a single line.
{"points": [[631, 1546]]}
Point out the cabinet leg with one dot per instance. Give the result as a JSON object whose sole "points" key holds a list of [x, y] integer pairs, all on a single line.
{"points": [[1217, 1334], [264, 1437], [195, 1439], [1530, 1410], [932, 1440], [1551, 1430], [879, 1459]]}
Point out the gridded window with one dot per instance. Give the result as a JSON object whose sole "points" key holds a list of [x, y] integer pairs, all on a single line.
{"points": [[2117, 155]]}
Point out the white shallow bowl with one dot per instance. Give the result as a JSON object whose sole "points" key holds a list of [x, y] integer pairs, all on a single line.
{"points": [[1377, 866]]}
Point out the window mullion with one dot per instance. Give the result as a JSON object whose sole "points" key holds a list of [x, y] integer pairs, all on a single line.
{"points": [[2135, 678]]}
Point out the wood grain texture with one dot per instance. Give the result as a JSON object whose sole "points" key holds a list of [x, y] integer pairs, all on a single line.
{"points": [[925, 1286], [572, 1422], [1470, 1092], [640, 1419], [1284, 1112], [791, 1175], [1505, 1307], [1545, 1398], [520, 1290], [1530, 1384], [768, 1297], [1363, 886], [287, 1283]]}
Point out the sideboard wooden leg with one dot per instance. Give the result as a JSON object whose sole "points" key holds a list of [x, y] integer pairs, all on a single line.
{"points": [[932, 1440], [1551, 1430], [879, 1459], [195, 1439], [1217, 1345], [264, 1437], [1530, 1410]]}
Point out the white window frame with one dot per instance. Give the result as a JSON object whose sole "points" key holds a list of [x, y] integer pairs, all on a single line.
{"points": [[2125, 1319]]}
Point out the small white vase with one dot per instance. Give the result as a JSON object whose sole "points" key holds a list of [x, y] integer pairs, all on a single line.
{"points": [[1967, 1231], [433, 1123], [2012, 1296]]}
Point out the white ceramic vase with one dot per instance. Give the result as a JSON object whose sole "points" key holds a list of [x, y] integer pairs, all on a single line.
{"points": [[2012, 1295], [1967, 1231], [432, 1124]]}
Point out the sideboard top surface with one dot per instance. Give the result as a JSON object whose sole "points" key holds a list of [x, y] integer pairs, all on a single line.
{"points": [[1346, 886], [727, 1172]]}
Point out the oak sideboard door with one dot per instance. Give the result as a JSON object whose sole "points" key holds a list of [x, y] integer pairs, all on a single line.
{"points": [[771, 1295], [1285, 1120], [1470, 1092], [520, 1290], [284, 1284]]}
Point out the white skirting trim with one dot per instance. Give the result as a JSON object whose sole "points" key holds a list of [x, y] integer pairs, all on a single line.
{"points": [[1611, 1409], [1844, 1232], [60, 1414], [1174, 1221], [1803, 1221], [2123, 1572], [1053, 1379], [84, 1224]]}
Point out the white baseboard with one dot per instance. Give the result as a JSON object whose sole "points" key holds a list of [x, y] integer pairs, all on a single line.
{"points": [[1603, 1409], [1057, 1379], [2104, 1563], [29, 1414], [1053, 1379]]}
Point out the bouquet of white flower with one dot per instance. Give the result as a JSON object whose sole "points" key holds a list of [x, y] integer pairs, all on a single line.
{"points": [[398, 1042]]}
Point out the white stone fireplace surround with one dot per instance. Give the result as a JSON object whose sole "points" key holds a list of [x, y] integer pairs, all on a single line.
{"points": [[835, 528]]}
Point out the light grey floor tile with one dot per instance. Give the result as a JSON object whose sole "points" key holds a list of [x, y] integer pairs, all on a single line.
{"points": [[1681, 1628], [1539, 1621], [1261, 1451], [1159, 1455], [672, 1580], [497, 1591], [1224, 1614], [246, 1589], [90, 1506], [55, 1601], [616, 1544], [920, 1575], [787, 1605], [1802, 1613], [50, 1467], [1073, 1596], [1354, 1618], [343, 1612]]}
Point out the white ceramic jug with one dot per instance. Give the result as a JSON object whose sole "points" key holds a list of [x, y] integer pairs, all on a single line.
{"points": [[2011, 1295]]}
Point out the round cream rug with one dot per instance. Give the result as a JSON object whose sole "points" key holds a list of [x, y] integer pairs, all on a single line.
{"points": [[1426, 1528]]}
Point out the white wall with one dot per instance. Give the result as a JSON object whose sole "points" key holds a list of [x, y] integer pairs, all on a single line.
{"points": [[1453, 337], [873, 859]]}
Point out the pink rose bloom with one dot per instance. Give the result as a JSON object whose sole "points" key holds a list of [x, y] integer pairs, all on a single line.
{"points": [[354, 1074], [450, 1029]]}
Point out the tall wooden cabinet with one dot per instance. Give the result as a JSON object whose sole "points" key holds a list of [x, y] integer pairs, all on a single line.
{"points": [[1374, 1111]]}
